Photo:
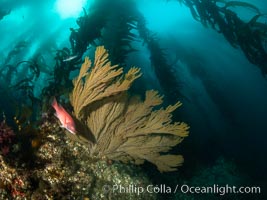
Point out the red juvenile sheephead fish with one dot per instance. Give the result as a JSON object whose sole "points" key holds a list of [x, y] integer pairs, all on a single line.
{"points": [[64, 117]]}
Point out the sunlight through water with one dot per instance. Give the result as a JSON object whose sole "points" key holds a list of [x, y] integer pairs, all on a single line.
{"points": [[69, 8]]}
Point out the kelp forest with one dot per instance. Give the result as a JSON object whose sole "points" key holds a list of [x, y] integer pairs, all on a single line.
{"points": [[118, 112]]}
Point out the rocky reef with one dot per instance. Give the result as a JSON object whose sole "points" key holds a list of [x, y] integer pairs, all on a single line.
{"points": [[63, 169]]}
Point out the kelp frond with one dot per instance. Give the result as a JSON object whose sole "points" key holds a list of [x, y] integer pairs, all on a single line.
{"points": [[242, 4]]}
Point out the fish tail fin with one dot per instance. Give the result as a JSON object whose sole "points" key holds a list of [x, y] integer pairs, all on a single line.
{"points": [[54, 103]]}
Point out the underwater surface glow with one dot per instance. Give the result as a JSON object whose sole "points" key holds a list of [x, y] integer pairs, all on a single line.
{"points": [[69, 8]]}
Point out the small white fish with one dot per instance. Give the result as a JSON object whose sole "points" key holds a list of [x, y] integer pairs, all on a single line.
{"points": [[70, 58]]}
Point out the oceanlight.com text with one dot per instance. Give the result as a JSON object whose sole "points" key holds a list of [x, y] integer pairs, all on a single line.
{"points": [[218, 189]]}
